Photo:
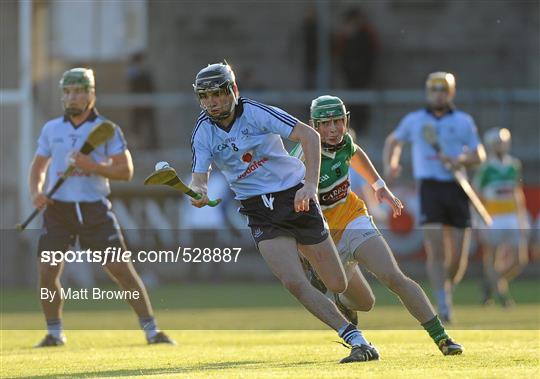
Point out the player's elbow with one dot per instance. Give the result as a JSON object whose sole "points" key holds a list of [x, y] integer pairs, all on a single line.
{"points": [[126, 173], [390, 142], [481, 154], [304, 134], [309, 136]]}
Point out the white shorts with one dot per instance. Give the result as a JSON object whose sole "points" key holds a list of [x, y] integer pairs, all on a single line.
{"points": [[356, 233], [503, 230]]}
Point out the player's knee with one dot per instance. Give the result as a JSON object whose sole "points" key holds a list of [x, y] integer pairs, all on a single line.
{"points": [[522, 261], [395, 280], [296, 286], [435, 258], [367, 304], [48, 273], [336, 284], [120, 273]]}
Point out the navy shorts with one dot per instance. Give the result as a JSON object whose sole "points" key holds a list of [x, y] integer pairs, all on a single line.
{"points": [[272, 215], [62, 224], [444, 203]]}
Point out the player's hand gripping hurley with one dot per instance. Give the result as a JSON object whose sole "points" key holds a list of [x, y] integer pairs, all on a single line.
{"points": [[430, 135], [98, 135], [167, 176]]}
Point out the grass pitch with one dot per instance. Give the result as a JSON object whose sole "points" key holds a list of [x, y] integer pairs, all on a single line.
{"points": [[495, 343], [269, 354]]}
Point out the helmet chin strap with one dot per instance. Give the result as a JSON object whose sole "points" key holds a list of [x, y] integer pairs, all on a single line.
{"points": [[333, 148]]}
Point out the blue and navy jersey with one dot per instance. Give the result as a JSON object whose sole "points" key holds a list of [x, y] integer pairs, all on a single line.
{"points": [[250, 153], [456, 133], [58, 140]]}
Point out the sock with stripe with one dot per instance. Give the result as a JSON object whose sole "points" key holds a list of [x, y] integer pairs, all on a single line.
{"points": [[351, 335], [149, 326], [54, 327], [435, 329]]}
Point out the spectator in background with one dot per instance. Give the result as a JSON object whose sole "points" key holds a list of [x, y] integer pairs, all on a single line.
{"points": [[356, 47], [142, 117]]}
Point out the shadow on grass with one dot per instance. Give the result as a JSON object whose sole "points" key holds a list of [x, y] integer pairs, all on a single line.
{"points": [[197, 368]]}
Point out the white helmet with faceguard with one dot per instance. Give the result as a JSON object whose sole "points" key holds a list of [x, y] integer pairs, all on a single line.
{"points": [[497, 136], [441, 80]]}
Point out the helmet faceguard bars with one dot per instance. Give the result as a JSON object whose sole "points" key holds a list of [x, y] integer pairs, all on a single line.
{"points": [[215, 77]]}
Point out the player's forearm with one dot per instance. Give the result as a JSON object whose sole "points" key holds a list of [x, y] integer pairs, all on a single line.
{"points": [[38, 174], [473, 158], [36, 182], [114, 170], [199, 182], [391, 152], [365, 167], [311, 145]]}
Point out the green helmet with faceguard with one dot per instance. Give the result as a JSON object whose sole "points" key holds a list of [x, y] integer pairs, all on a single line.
{"points": [[79, 76], [326, 108]]}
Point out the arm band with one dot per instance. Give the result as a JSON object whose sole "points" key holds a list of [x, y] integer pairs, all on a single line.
{"points": [[378, 184]]}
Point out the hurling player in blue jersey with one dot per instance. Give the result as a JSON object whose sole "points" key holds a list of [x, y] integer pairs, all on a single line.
{"points": [[278, 193], [80, 207], [444, 205]]}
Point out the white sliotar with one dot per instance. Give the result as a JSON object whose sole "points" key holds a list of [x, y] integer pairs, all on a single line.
{"points": [[161, 165]]}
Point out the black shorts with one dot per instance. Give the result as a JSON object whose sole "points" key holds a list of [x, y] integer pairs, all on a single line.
{"points": [[62, 225], [272, 215], [444, 203]]}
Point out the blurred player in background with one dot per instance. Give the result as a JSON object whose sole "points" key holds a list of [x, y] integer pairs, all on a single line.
{"points": [[445, 215], [504, 243], [278, 193], [80, 208], [358, 240]]}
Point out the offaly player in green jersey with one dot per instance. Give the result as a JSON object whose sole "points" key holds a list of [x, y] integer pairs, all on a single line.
{"points": [[499, 183], [356, 237]]}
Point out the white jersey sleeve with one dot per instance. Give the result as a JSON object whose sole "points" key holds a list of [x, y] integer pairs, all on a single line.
{"points": [[43, 144], [200, 147], [117, 144], [472, 140], [403, 130]]}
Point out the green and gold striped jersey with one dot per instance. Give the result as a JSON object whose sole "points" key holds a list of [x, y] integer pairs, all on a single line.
{"points": [[339, 204], [497, 181]]}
